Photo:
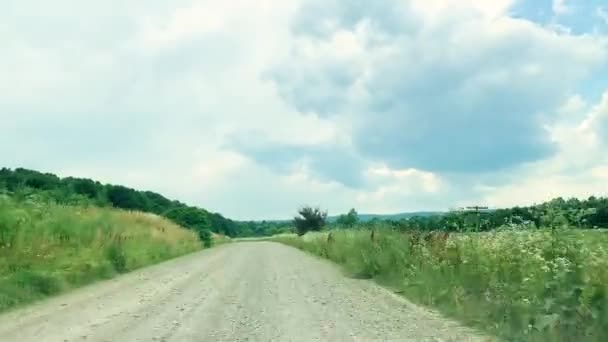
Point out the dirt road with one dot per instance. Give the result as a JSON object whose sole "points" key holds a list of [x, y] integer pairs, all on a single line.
{"points": [[250, 291]]}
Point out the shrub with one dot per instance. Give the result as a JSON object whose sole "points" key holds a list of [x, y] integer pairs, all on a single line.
{"points": [[206, 237], [117, 257], [309, 219]]}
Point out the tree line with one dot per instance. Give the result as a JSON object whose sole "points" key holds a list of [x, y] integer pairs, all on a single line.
{"points": [[28, 184], [591, 213]]}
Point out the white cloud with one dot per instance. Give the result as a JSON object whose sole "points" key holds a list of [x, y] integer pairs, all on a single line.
{"points": [[409, 84], [407, 181], [493, 8], [600, 172], [602, 13], [559, 7], [595, 127], [579, 169], [154, 95], [573, 106], [392, 189], [184, 24]]}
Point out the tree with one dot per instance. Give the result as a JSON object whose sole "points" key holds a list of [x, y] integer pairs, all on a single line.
{"points": [[125, 198], [599, 218], [29, 184], [309, 219], [348, 220], [190, 217], [206, 237], [157, 203], [85, 187]]}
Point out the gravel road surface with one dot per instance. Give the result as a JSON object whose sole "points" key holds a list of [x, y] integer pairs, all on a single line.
{"points": [[249, 291]]}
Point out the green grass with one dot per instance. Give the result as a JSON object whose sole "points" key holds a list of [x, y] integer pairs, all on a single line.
{"points": [[46, 249], [518, 285], [219, 239]]}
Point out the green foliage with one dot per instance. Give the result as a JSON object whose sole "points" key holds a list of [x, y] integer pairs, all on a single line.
{"points": [[348, 220], [125, 198], [118, 259], [264, 228], [522, 285], [156, 203], [309, 219], [46, 248], [26, 184], [587, 214], [190, 217], [43, 284], [206, 237], [31, 185], [84, 187]]}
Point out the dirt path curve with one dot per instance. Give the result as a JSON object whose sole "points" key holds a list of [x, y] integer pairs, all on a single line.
{"points": [[250, 291]]}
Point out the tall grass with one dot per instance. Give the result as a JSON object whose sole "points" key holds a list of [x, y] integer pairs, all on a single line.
{"points": [[47, 248], [519, 285]]}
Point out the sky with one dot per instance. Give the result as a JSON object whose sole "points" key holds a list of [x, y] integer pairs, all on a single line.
{"points": [[252, 108]]}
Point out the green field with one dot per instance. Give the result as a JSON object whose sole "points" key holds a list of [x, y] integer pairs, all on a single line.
{"points": [[48, 248], [542, 285]]}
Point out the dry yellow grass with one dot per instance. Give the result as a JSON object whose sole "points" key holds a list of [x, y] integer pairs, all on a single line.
{"points": [[48, 248]]}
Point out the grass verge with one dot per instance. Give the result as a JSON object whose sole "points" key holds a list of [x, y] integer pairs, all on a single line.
{"points": [[518, 285], [46, 249]]}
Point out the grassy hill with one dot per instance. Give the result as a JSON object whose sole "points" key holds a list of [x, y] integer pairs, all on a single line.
{"points": [[48, 248], [49, 188]]}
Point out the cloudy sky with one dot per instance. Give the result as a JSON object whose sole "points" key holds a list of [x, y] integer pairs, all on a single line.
{"points": [[254, 107]]}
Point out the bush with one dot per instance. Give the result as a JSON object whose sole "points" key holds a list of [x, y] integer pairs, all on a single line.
{"points": [[117, 257], [38, 283], [309, 219], [206, 237]]}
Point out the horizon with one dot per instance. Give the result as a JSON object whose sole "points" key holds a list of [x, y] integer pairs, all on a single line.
{"points": [[252, 109], [330, 215]]}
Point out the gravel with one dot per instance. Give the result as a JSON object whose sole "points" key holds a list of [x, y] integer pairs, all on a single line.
{"points": [[248, 291]]}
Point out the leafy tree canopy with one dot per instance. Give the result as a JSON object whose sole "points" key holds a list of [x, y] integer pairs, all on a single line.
{"points": [[348, 220], [309, 219]]}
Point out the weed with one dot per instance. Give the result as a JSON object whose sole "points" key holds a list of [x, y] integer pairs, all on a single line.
{"points": [[47, 248], [545, 285]]}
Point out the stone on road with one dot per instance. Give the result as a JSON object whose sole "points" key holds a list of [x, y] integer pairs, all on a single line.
{"points": [[249, 291]]}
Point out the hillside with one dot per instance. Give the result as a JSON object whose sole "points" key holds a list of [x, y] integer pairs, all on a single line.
{"points": [[22, 183], [49, 188], [47, 248]]}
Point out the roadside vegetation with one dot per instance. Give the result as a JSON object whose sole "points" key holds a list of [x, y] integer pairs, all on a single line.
{"points": [[24, 184], [517, 281], [536, 273], [48, 248]]}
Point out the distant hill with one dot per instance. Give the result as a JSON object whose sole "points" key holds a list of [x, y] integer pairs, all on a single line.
{"points": [[399, 216], [369, 217]]}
